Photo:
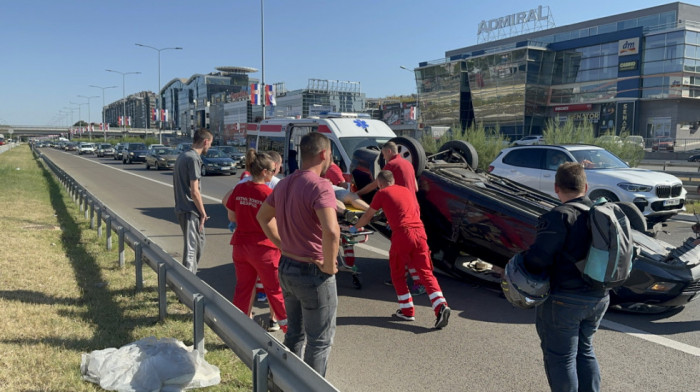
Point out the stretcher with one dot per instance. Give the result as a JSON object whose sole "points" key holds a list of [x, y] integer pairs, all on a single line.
{"points": [[348, 239]]}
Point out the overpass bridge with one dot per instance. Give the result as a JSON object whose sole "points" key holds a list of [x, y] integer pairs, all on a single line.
{"points": [[24, 132]]}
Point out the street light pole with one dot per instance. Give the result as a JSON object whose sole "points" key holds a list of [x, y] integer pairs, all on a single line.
{"points": [[104, 129], [89, 117], [123, 74], [80, 116], [70, 133], [160, 98]]}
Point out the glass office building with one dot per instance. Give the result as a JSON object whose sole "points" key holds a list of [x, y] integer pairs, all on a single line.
{"points": [[638, 72]]}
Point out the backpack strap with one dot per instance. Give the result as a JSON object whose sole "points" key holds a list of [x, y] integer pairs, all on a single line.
{"points": [[578, 205]]}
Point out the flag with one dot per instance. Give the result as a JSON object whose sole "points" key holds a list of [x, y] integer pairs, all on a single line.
{"points": [[255, 94], [412, 113], [164, 115], [128, 121], [270, 95], [101, 127], [107, 126], [153, 114], [120, 121]]}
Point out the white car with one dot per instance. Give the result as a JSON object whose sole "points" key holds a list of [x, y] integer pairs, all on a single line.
{"points": [[529, 140], [86, 148], [657, 195]]}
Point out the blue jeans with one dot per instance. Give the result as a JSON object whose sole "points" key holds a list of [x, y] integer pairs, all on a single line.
{"points": [[311, 300], [566, 324]]}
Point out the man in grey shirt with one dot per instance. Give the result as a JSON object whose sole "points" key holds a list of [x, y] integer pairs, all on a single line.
{"points": [[189, 206]]}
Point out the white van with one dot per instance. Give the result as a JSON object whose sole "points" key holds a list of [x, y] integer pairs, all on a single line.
{"points": [[347, 132]]}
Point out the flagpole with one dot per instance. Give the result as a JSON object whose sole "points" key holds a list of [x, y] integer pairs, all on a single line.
{"points": [[262, 87]]}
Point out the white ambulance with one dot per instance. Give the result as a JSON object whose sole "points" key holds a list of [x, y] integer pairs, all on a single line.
{"points": [[347, 132]]}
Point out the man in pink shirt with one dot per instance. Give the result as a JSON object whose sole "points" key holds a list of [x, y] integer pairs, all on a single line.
{"points": [[299, 217]]}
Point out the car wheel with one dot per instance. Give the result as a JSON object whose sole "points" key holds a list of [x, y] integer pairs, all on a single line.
{"points": [[148, 166], [411, 150], [463, 149], [204, 170], [597, 194], [634, 216]]}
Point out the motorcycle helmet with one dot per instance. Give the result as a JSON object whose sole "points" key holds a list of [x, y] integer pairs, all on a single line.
{"points": [[522, 288]]}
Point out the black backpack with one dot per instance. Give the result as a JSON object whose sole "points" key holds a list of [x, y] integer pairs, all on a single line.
{"points": [[609, 259]]}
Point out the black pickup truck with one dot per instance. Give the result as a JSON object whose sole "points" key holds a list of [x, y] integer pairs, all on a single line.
{"points": [[477, 221]]}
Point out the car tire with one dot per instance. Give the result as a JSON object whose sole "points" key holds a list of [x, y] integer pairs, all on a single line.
{"points": [[595, 195], [410, 149], [204, 170], [634, 216], [464, 149], [148, 166]]}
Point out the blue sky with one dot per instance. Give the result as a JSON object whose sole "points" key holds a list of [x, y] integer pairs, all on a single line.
{"points": [[51, 51]]}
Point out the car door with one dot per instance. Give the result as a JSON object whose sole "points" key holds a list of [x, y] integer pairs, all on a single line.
{"points": [[524, 165]]}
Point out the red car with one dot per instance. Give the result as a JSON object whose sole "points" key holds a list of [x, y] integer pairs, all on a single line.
{"points": [[663, 144]]}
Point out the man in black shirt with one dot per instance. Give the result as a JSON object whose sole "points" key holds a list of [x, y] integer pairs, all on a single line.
{"points": [[567, 320]]}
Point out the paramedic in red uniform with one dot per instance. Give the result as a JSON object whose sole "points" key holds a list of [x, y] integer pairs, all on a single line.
{"points": [[408, 246], [253, 253], [300, 218], [402, 169], [404, 175]]}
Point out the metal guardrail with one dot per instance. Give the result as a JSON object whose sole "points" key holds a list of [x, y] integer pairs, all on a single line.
{"points": [[274, 366]]}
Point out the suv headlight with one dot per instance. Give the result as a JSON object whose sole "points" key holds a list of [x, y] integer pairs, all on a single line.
{"points": [[635, 187]]}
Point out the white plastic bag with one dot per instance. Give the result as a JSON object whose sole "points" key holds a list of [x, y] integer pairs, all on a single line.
{"points": [[149, 364]]}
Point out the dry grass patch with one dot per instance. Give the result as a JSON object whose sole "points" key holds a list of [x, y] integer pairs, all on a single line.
{"points": [[62, 294]]}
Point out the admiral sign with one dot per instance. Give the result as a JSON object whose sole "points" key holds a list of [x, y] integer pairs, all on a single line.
{"points": [[628, 46], [519, 18]]}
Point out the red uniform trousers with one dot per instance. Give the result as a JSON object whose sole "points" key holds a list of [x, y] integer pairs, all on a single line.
{"points": [[252, 261], [409, 247]]}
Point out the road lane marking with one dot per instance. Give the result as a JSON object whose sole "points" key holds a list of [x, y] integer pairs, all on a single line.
{"points": [[371, 248], [144, 177], [686, 348]]}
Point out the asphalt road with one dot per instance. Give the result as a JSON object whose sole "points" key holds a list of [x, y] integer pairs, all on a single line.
{"points": [[487, 346]]}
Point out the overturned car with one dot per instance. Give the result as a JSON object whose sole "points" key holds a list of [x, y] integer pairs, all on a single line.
{"points": [[477, 221]]}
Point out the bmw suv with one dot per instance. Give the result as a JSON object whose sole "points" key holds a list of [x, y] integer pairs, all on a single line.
{"points": [[657, 195]]}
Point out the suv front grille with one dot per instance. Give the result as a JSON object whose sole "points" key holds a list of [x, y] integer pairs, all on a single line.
{"points": [[665, 191]]}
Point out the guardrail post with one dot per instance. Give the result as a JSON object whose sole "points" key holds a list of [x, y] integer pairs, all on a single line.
{"points": [[86, 209], [162, 298], [108, 226], [120, 234], [92, 214], [666, 163], [138, 255], [198, 306], [261, 368], [80, 200], [99, 221]]}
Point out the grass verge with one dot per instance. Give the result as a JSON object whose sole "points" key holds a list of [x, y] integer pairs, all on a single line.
{"points": [[63, 294]]}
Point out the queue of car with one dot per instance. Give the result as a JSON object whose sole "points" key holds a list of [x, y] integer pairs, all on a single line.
{"points": [[223, 160]]}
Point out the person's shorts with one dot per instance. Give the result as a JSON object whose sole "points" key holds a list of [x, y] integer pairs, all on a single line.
{"points": [[340, 193]]}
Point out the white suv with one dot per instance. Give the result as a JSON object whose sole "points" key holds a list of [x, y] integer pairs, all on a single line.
{"points": [[658, 195], [529, 140]]}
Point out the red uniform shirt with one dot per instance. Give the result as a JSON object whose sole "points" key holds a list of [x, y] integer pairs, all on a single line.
{"points": [[403, 172], [334, 174], [245, 201], [400, 207]]}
